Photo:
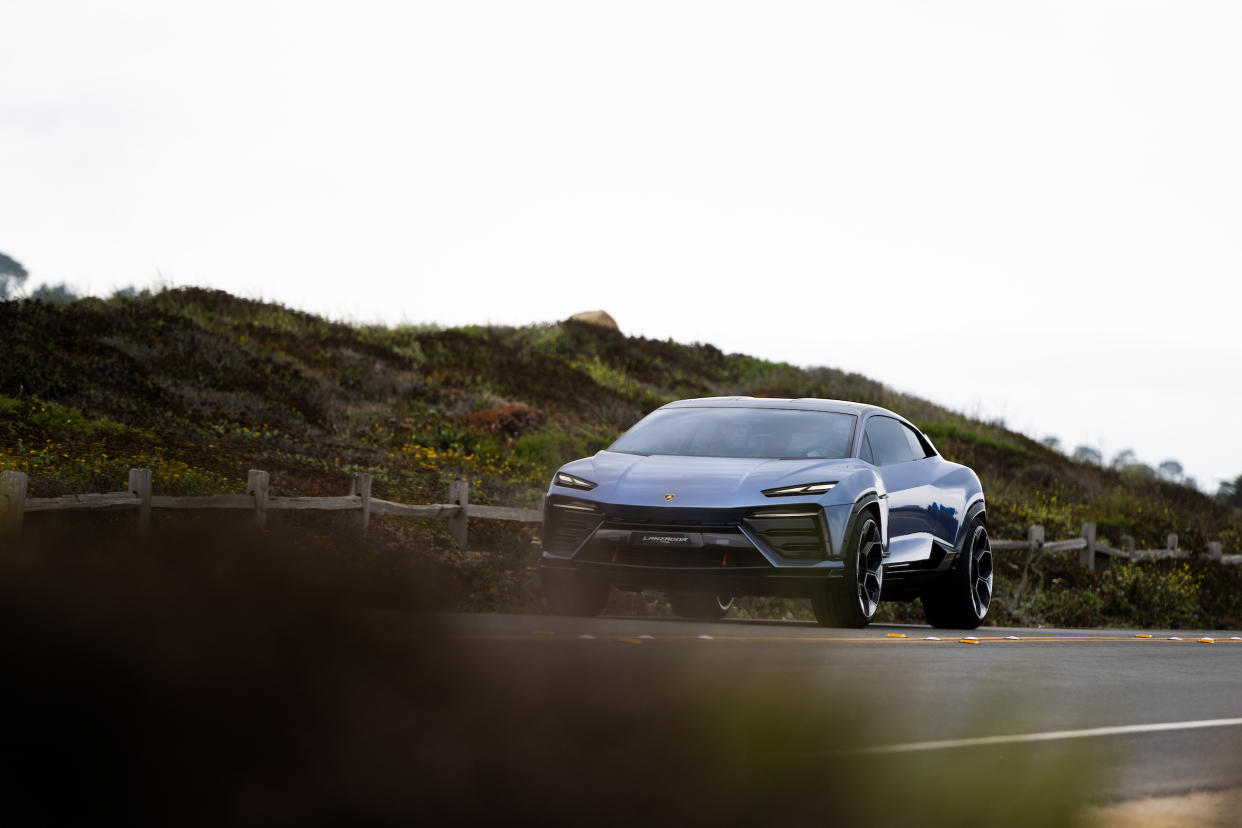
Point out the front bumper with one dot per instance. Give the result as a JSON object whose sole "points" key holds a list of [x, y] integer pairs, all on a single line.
{"points": [[785, 550]]}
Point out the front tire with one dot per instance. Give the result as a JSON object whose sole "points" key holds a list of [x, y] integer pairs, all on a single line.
{"points": [[853, 600], [571, 593], [699, 607], [959, 600]]}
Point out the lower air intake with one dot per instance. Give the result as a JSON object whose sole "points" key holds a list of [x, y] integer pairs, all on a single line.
{"points": [[797, 534], [568, 523]]}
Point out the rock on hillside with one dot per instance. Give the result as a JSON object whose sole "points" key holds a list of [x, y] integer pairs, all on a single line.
{"points": [[597, 317]]}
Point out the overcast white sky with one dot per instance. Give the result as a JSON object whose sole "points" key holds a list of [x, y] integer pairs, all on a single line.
{"points": [[1019, 210]]}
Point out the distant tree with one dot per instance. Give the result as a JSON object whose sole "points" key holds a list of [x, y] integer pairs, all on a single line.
{"points": [[54, 294], [1171, 470], [1124, 459], [1051, 442], [12, 275], [1191, 482], [1231, 491], [1087, 454]]}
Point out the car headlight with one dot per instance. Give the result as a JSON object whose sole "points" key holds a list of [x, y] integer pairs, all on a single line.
{"points": [[571, 482], [804, 489]]}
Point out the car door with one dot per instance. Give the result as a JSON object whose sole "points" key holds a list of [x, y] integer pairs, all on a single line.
{"points": [[900, 459]]}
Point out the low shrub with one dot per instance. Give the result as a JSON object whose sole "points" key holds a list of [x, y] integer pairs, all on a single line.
{"points": [[508, 421], [1152, 594]]}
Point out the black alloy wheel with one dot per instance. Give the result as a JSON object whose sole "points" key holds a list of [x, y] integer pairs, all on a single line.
{"points": [[980, 572], [853, 601], [869, 569], [960, 599]]}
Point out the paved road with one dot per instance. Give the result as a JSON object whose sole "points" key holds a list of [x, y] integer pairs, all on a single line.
{"points": [[1134, 696]]}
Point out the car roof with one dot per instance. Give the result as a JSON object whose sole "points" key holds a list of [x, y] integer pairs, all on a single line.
{"points": [[801, 403]]}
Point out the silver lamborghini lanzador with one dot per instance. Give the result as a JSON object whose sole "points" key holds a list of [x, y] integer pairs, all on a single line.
{"points": [[709, 499]]}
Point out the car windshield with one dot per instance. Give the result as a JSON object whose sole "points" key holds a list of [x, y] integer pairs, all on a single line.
{"points": [[775, 433]]}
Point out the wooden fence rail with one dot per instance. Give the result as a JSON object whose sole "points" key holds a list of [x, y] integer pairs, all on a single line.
{"points": [[14, 504], [1089, 548]]}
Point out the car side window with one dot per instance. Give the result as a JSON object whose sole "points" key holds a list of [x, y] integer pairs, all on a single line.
{"points": [[866, 453], [917, 448], [888, 441]]}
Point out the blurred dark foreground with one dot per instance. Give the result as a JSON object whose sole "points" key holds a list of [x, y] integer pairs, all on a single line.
{"points": [[216, 675]]}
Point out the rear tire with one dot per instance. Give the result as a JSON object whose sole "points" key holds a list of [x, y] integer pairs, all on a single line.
{"points": [[959, 599], [852, 601], [570, 593], [699, 607]]}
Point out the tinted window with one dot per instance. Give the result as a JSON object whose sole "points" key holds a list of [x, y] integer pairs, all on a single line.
{"points": [[916, 445], [741, 432], [889, 441], [866, 452]]}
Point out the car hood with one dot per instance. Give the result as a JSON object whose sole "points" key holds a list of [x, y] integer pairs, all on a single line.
{"points": [[646, 480]]}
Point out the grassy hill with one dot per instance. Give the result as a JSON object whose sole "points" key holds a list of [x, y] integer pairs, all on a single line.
{"points": [[201, 386]]}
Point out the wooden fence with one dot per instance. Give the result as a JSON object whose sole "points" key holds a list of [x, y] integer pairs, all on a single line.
{"points": [[14, 504], [1089, 548]]}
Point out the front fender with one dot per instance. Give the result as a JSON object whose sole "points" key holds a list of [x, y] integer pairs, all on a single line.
{"points": [[976, 508], [843, 518]]}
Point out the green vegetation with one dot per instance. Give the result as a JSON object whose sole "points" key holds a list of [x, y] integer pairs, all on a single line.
{"points": [[12, 275], [201, 386], [1054, 591]]}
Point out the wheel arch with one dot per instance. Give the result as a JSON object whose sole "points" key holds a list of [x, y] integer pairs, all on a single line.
{"points": [[976, 509], [870, 504]]}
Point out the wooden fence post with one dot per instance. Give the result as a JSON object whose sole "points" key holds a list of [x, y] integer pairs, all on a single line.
{"points": [[1086, 555], [140, 485], [1213, 550], [1172, 541], [361, 486], [257, 485], [13, 493], [459, 494], [1035, 537]]}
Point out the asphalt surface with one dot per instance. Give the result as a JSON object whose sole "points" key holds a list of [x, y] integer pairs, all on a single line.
{"points": [[1067, 695]]}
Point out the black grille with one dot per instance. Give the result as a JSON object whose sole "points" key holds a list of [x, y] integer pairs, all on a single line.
{"points": [[791, 533], [672, 526], [567, 523]]}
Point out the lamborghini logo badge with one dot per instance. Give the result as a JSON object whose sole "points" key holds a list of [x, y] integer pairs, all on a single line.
{"points": [[669, 496]]}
